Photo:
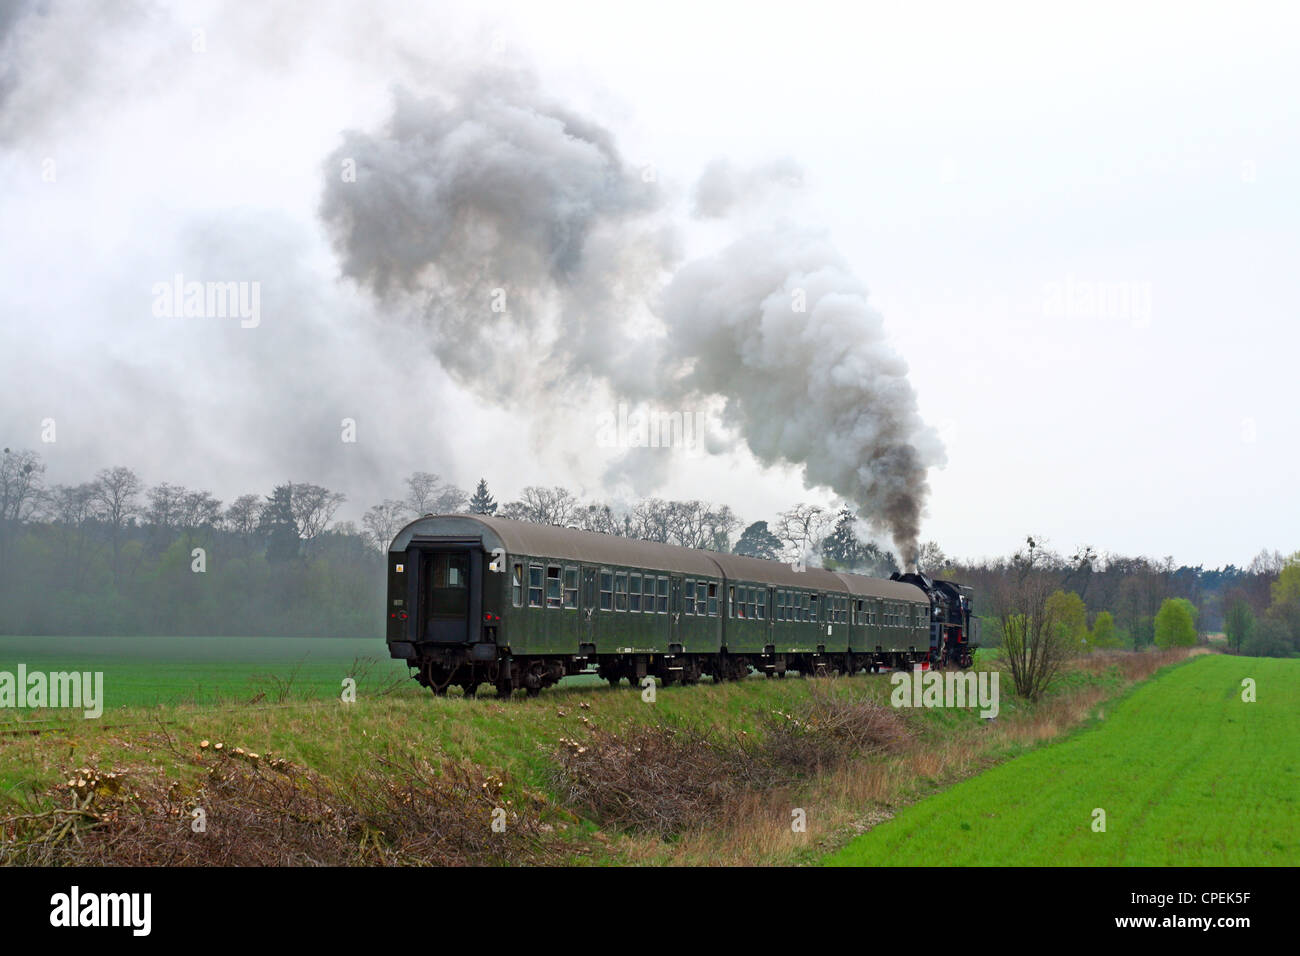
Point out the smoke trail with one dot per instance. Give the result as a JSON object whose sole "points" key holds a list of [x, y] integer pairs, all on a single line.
{"points": [[498, 189], [510, 223], [778, 325]]}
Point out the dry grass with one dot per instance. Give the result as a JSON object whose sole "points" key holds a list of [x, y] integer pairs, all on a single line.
{"points": [[258, 810], [666, 780]]}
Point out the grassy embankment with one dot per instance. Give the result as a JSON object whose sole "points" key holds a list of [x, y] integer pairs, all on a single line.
{"points": [[706, 774]]}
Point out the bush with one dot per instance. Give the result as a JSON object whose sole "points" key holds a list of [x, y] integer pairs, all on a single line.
{"points": [[1176, 623]]}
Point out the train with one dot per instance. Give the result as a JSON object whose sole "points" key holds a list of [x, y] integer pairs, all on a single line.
{"points": [[478, 599]]}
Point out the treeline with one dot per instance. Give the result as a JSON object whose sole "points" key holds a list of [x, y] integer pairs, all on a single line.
{"points": [[114, 556]]}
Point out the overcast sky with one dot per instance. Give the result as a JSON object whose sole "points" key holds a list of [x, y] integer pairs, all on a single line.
{"points": [[1079, 225]]}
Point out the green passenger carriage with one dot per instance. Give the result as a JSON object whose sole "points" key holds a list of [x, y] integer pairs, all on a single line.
{"points": [[475, 599]]}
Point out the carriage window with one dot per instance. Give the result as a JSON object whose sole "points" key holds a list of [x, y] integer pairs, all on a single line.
{"points": [[688, 600], [662, 605], [731, 600], [753, 602], [702, 598], [534, 585], [713, 600], [606, 591], [760, 596], [620, 591], [571, 587], [517, 584], [634, 592], [780, 605], [808, 607], [553, 586]]}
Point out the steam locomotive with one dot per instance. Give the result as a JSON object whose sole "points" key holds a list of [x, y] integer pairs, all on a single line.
{"points": [[477, 599]]}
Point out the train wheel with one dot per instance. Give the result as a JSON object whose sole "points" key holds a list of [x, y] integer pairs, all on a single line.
{"points": [[470, 689], [533, 691]]}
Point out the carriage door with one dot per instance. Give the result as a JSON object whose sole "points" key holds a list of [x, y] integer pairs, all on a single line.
{"points": [[589, 607], [675, 610], [450, 593]]}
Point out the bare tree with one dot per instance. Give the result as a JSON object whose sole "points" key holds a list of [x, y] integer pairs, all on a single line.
{"points": [[20, 492], [72, 508], [312, 508], [544, 506], [1266, 562], [427, 493], [600, 518], [422, 490], [243, 514], [165, 505], [383, 521], [117, 500], [199, 510], [721, 523], [803, 528], [450, 500], [651, 520], [1034, 647], [71, 505], [688, 523], [20, 484]]}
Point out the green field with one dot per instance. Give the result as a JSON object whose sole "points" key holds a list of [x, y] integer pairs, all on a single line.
{"points": [[148, 671], [1187, 773]]}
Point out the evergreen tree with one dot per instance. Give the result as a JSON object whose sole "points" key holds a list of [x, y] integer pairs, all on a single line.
{"points": [[842, 545], [757, 542], [278, 526], [482, 502]]}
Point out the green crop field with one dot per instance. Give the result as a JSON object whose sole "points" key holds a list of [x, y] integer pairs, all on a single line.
{"points": [[1187, 773], [147, 671], [152, 671]]}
